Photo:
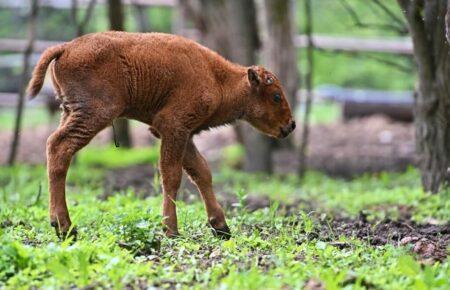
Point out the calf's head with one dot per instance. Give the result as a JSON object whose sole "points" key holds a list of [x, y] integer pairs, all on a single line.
{"points": [[268, 109]]}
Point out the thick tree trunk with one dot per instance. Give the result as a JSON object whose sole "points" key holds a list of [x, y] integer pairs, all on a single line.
{"points": [[279, 54], [432, 98], [23, 81], [244, 43], [229, 27], [121, 132]]}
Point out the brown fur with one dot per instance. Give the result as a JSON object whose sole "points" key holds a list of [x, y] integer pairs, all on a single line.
{"points": [[174, 85]]}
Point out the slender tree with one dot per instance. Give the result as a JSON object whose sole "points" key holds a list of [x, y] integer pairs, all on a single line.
{"points": [[24, 80], [81, 25], [121, 127], [309, 88], [426, 20], [140, 13], [447, 22]]}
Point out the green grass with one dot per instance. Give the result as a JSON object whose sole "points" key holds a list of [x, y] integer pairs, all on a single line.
{"points": [[268, 250], [112, 157]]}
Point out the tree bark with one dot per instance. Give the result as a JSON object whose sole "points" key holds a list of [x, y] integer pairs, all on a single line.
{"points": [[447, 22], [142, 21], [229, 27], [278, 53], [23, 81], [244, 41], [121, 128], [426, 21], [309, 90], [80, 25]]}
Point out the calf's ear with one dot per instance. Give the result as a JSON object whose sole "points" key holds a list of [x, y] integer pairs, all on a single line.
{"points": [[253, 76]]}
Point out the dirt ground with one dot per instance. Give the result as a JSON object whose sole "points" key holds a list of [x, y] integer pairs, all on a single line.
{"points": [[428, 241], [345, 149]]}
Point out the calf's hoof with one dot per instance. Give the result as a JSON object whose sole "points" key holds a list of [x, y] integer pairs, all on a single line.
{"points": [[222, 233], [64, 233], [171, 234]]}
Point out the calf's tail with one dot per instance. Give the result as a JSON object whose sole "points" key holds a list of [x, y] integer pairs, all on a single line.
{"points": [[37, 79]]}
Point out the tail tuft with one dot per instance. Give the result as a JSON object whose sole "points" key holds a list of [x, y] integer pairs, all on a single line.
{"points": [[37, 79]]}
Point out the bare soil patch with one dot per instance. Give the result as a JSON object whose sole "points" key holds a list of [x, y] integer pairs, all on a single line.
{"points": [[428, 241], [347, 149]]}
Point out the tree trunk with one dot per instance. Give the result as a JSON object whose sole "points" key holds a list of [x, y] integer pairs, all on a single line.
{"points": [[23, 81], [229, 27], [447, 22], [279, 54], [142, 21], [432, 98], [121, 128], [309, 83], [244, 40]]}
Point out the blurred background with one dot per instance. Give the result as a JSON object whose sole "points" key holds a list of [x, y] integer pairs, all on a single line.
{"points": [[347, 66]]}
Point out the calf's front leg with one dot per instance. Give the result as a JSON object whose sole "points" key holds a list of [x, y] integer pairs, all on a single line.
{"points": [[198, 170], [172, 151]]}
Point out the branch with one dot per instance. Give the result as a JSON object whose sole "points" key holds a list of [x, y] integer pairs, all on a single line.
{"points": [[391, 14], [399, 29], [401, 67]]}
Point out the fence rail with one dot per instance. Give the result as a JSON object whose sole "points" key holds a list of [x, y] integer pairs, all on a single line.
{"points": [[326, 42], [66, 4]]}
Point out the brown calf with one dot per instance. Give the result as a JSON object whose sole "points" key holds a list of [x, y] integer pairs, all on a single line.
{"points": [[174, 85]]}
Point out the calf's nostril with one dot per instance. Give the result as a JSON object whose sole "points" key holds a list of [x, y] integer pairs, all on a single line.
{"points": [[293, 125]]}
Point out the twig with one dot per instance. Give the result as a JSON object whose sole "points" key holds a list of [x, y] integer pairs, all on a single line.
{"points": [[398, 66], [391, 14], [383, 26]]}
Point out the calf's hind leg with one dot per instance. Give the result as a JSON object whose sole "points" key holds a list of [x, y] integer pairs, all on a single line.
{"points": [[79, 126], [198, 170], [173, 145]]}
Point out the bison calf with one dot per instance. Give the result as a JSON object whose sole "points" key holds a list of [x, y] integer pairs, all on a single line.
{"points": [[174, 85]]}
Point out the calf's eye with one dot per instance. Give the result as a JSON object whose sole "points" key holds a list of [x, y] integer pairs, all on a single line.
{"points": [[277, 98]]}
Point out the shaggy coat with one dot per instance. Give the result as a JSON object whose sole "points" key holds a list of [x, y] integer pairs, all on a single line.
{"points": [[175, 85]]}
